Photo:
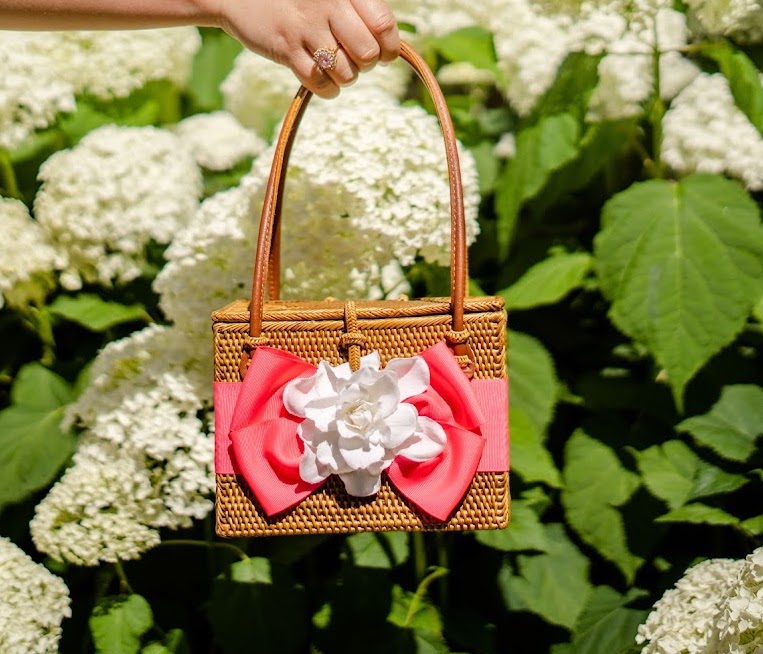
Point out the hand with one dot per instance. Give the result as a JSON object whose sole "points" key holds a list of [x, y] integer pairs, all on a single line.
{"points": [[290, 31]]}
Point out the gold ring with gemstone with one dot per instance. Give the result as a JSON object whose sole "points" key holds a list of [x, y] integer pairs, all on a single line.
{"points": [[325, 58]]}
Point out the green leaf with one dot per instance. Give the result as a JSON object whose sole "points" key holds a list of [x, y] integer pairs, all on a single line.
{"points": [[378, 550], [605, 626], [211, 66], [118, 623], [529, 457], [549, 281], [674, 473], [595, 483], [682, 264], [732, 425], [174, 642], [553, 585], [699, 514], [470, 44], [754, 525], [525, 532], [274, 605], [95, 314], [600, 146], [540, 150], [33, 447], [142, 107], [575, 81], [487, 166], [534, 386], [757, 310], [411, 611], [743, 77]]}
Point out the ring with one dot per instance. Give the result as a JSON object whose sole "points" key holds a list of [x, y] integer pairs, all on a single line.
{"points": [[325, 58]]}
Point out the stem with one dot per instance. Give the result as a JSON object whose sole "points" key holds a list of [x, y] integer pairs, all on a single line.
{"points": [[201, 543], [657, 112], [419, 555], [442, 562], [124, 584], [8, 175], [421, 591], [39, 320]]}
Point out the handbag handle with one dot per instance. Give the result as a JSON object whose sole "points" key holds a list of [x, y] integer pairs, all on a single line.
{"points": [[266, 266]]}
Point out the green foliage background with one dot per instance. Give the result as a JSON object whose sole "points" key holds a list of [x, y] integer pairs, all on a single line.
{"points": [[635, 304]]}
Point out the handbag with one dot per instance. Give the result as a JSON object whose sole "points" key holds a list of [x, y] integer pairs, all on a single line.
{"points": [[337, 417]]}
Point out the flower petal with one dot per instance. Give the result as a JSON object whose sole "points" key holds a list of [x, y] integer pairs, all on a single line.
{"points": [[428, 442], [413, 374], [383, 393], [326, 456], [371, 360], [322, 411], [401, 425], [359, 458], [310, 470], [298, 393], [361, 483]]}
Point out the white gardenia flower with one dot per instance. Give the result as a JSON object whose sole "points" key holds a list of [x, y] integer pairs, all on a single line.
{"points": [[683, 620], [103, 201], [356, 423], [217, 140], [705, 132], [33, 603], [27, 260]]}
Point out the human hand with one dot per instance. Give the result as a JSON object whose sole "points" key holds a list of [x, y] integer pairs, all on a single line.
{"points": [[290, 31]]}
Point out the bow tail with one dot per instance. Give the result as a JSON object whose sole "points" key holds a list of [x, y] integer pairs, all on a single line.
{"points": [[268, 454], [439, 485]]}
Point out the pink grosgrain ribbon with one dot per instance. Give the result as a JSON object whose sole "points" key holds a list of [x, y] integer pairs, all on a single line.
{"points": [[256, 436]]}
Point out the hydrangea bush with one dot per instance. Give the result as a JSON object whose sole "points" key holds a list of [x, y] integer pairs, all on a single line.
{"points": [[612, 160]]}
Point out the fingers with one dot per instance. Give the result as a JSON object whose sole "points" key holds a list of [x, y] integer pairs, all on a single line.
{"points": [[358, 43], [381, 23]]}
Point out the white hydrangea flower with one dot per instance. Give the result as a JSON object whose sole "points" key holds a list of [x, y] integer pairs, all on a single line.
{"points": [[209, 263], [27, 260], [100, 510], [682, 621], [704, 131], [739, 19], [112, 64], [31, 92], [102, 202], [217, 140], [739, 627], [356, 423], [372, 173], [146, 459], [464, 73], [432, 17], [506, 147], [626, 77], [33, 604], [258, 91]]}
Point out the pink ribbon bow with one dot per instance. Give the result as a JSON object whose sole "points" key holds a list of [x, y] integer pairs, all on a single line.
{"points": [[266, 449]]}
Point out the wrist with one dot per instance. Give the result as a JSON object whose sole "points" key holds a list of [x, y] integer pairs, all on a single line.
{"points": [[209, 13]]}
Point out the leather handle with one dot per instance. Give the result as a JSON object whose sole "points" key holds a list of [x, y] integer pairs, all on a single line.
{"points": [[266, 266]]}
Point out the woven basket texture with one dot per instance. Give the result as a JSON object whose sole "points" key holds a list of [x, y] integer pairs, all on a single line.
{"points": [[312, 331]]}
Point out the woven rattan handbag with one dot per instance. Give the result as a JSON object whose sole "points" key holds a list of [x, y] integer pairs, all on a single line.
{"points": [[361, 415]]}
